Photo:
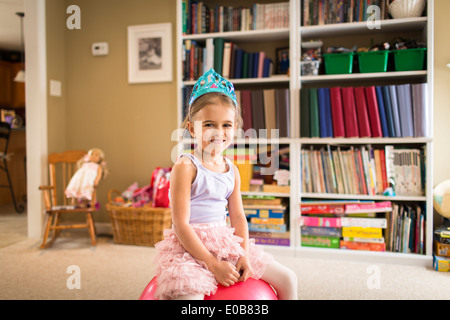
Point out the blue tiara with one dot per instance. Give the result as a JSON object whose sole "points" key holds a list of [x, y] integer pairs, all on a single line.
{"points": [[211, 81]]}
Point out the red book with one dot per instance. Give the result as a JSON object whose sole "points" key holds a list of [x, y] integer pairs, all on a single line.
{"points": [[337, 113], [363, 246], [246, 105], [321, 208], [383, 169], [374, 115], [361, 111], [349, 110]]}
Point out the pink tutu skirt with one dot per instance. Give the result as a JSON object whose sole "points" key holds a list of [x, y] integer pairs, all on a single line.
{"points": [[178, 273]]}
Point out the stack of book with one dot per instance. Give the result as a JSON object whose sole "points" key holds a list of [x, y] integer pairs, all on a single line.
{"points": [[373, 226], [268, 220], [363, 112], [363, 170], [226, 58], [341, 11], [345, 225], [406, 229], [198, 17]]}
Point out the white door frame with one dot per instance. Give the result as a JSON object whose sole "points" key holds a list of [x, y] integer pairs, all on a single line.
{"points": [[36, 111]]}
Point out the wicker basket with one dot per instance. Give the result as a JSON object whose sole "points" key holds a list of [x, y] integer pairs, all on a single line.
{"points": [[406, 8], [138, 226]]}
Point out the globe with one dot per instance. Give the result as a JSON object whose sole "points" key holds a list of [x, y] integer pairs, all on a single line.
{"points": [[441, 198]]}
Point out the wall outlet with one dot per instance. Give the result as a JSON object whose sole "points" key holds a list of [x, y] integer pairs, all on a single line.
{"points": [[100, 49], [55, 88]]}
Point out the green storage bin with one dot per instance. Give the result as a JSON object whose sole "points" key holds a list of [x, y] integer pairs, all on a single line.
{"points": [[338, 63], [409, 59], [373, 61]]}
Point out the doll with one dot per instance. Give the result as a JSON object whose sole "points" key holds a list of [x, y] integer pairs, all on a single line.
{"points": [[91, 169]]}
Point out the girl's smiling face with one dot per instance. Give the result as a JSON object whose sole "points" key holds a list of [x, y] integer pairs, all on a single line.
{"points": [[214, 127]]}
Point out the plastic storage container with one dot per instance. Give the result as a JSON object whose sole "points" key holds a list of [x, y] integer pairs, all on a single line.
{"points": [[338, 63], [310, 68], [373, 61], [409, 59]]}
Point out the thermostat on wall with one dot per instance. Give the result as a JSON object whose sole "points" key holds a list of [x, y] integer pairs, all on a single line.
{"points": [[100, 49]]}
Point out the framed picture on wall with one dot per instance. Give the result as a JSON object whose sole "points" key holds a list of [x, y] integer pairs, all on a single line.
{"points": [[150, 53]]}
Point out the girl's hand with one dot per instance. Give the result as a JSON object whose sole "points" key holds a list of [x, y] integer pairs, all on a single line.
{"points": [[244, 268], [225, 273]]}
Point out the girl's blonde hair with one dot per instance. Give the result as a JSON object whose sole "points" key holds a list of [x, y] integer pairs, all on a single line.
{"points": [[212, 98]]}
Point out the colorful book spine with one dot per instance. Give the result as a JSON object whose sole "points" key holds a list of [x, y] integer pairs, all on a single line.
{"points": [[320, 222], [321, 242], [361, 232]]}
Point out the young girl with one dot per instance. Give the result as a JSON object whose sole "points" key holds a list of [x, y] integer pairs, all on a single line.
{"points": [[201, 251], [91, 169]]}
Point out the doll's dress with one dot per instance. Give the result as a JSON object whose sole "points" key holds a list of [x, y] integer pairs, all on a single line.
{"points": [[81, 186]]}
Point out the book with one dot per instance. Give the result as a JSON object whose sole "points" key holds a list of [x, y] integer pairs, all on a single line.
{"points": [[305, 130], [219, 44], [382, 112], [337, 113], [322, 242], [325, 118], [373, 112], [276, 221], [405, 109], [314, 113], [320, 222], [269, 111], [258, 116], [322, 207], [246, 106], [321, 231], [362, 113], [349, 110], [361, 232], [264, 211], [283, 112], [363, 222], [389, 115], [367, 246], [395, 110], [267, 227], [421, 114], [383, 206]]}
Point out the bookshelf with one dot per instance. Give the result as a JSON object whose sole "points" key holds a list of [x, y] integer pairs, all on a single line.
{"points": [[295, 82]]}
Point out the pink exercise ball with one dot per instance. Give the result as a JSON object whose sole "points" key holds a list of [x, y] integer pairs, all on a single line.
{"points": [[249, 290]]}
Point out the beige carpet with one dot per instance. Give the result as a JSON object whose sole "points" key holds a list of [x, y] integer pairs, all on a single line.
{"points": [[112, 271]]}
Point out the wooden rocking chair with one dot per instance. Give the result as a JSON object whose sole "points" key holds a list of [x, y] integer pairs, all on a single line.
{"points": [[62, 167]]}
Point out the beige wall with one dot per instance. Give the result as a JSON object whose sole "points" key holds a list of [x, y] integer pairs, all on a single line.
{"points": [[132, 123], [56, 112], [441, 132]]}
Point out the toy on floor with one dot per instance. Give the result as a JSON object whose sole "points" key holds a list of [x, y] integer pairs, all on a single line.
{"points": [[249, 290], [91, 169]]}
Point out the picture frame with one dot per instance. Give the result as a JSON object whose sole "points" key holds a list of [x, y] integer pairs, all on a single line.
{"points": [[8, 116], [150, 53], [282, 56]]}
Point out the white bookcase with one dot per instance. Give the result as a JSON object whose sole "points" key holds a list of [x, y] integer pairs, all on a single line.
{"points": [[295, 34]]}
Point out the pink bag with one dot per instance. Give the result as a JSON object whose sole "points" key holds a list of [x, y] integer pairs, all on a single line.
{"points": [[160, 183]]}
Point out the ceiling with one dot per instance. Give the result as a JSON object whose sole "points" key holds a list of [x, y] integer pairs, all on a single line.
{"points": [[10, 24]]}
